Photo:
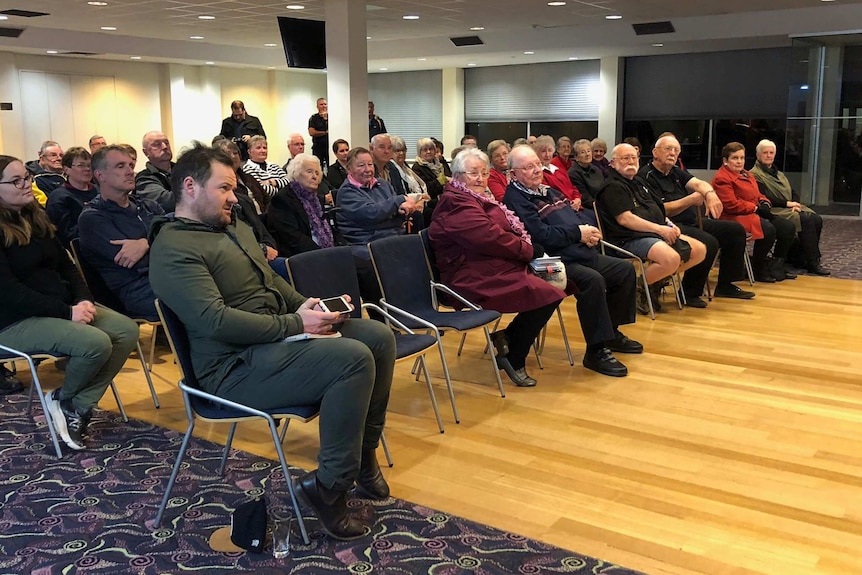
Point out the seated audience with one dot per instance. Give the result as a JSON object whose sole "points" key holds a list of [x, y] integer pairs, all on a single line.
{"points": [[154, 181], [96, 143], [468, 141], [604, 286], [113, 233], [498, 177], [682, 196], [584, 175], [411, 183], [563, 155], [237, 314], [270, 176], [634, 219], [442, 158], [66, 202], [785, 204], [600, 148], [522, 141], [744, 203], [47, 171], [47, 307], [384, 168], [370, 208], [429, 168], [483, 252], [296, 146], [553, 175], [337, 172], [635, 143]]}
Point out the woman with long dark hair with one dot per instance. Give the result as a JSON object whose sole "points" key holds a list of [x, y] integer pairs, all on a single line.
{"points": [[47, 307]]}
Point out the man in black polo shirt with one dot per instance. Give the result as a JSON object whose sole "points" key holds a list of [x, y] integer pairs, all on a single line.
{"points": [[318, 129], [682, 195]]}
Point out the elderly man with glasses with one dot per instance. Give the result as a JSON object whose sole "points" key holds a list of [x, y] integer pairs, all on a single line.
{"points": [[683, 195]]}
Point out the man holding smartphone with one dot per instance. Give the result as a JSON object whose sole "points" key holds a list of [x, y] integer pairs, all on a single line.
{"points": [[208, 268]]}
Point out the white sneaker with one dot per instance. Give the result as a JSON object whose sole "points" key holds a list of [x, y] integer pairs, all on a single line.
{"points": [[59, 417]]}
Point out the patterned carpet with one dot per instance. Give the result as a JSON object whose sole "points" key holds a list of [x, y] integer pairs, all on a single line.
{"points": [[89, 514], [841, 247]]}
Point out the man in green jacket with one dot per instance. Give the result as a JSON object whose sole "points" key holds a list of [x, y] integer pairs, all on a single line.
{"points": [[209, 269]]}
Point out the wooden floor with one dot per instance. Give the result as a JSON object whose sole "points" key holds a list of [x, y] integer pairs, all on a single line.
{"points": [[733, 447]]}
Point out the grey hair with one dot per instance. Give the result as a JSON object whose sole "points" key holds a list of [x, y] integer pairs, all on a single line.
{"points": [[613, 153], [296, 164], [511, 161], [378, 138], [562, 139], [599, 143], [468, 152], [582, 142], [543, 142], [47, 144], [764, 144], [519, 142], [425, 143], [496, 144], [398, 144]]}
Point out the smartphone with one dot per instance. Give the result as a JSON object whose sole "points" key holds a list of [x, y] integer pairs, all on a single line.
{"points": [[336, 305]]}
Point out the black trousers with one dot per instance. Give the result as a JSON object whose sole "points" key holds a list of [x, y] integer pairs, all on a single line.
{"points": [[605, 296], [776, 231], [809, 236], [524, 329], [730, 238]]}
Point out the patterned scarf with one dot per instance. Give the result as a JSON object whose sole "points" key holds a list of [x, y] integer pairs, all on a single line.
{"points": [[514, 222], [435, 167], [319, 227]]}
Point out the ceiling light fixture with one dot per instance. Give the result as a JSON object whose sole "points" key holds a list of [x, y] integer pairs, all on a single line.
{"points": [[410, 17], [556, 3], [658, 45], [421, 59], [529, 52], [2, 17], [613, 17], [383, 69], [471, 64], [50, 51], [109, 28], [206, 17], [573, 57], [477, 28], [295, 7], [97, 3], [368, 37], [210, 63], [196, 37], [134, 57], [270, 45]]}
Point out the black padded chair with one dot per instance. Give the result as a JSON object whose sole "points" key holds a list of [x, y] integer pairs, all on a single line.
{"points": [[103, 295], [208, 407], [410, 293], [331, 272]]}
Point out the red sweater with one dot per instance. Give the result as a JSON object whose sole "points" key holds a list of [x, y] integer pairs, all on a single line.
{"points": [[560, 181]]}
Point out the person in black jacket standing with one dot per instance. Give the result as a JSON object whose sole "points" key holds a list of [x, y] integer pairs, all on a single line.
{"points": [[240, 127]]}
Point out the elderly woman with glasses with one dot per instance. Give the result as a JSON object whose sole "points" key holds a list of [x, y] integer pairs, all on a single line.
{"points": [[67, 202], [584, 175], [498, 178], [47, 307], [429, 168], [483, 252]]}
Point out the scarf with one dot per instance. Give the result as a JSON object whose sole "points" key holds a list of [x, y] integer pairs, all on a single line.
{"points": [[415, 185], [320, 231], [436, 166], [514, 222]]}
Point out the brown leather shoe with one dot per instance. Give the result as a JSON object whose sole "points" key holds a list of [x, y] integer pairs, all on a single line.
{"points": [[330, 506]]}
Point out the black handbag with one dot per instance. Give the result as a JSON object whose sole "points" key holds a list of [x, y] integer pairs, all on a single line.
{"points": [[683, 248]]}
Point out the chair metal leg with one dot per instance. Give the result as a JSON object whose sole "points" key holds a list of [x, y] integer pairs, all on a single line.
{"points": [[493, 329], [175, 472], [542, 338], [536, 349], [286, 422], [676, 282], [494, 361], [36, 387], [565, 338], [289, 480], [227, 445], [153, 348], [424, 368], [448, 379], [147, 371], [461, 345], [749, 270], [386, 449], [119, 402], [646, 290]]}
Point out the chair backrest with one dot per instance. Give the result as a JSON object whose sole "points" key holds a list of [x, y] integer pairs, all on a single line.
{"points": [[178, 338], [430, 260], [401, 268], [100, 290], [325, 273]]}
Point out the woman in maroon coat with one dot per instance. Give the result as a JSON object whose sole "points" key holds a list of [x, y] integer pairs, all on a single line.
{"points": [[744, 203], [482, 251]]}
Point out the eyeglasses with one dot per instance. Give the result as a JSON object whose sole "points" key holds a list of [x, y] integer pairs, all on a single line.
{"points": [[82, 165], [529, 167], [626, 158], [477, 174], [671, 149], [20, 183]]}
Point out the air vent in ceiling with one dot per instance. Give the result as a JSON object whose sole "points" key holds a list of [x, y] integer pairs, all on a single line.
{"points": [[74, 53], [467, 41], [10, 32], [24, 13], [653, 28]]}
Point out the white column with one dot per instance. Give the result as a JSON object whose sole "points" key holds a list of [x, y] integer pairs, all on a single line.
{"points": [[347, 71], [610, 100], [11, 121], [453, 107]]}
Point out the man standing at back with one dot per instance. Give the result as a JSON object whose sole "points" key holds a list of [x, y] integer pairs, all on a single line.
{"points": [[208, 268], [240, 127], [376, 125], [318, 129], [154, 181]]}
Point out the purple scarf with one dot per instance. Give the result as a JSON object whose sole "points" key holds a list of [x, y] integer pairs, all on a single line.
{"points": [[319, 228]]}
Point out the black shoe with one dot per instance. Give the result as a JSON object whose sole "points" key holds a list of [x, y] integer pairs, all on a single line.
{"points": [[501, 342], [694, 301], [330, 506], [70, 424], [655, 294], [778, 272], [604, 362], [732, 291], [622, 344], [816, 269], [370, 479], [763, 274], [8, 382], [518, 376]]}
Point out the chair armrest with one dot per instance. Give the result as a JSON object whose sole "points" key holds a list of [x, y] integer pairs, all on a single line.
{"points": [[400, 312], [449, 291], [618, 249], [389, 317]]}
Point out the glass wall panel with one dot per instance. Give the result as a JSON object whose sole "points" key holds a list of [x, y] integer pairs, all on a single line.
{"points": [[487, 131]]}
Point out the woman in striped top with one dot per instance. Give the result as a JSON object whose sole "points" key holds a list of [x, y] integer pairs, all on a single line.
{"points": [[270, 176]]}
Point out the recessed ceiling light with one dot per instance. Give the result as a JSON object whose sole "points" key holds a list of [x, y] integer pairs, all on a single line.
{"points": [[658, 45], [109, 28], [97, 3], [556, 3], [2, 17], [295, 7], [206, 17], [270, 45], [477, 28], [410, 17], [613, 17], [368, 37], [383, 69], [573, 57], [421, 59], [209, 63], [471, 63], [196, 37], [50, 51], [134, 57], [270, 67], [529, 52], [827, 0]]}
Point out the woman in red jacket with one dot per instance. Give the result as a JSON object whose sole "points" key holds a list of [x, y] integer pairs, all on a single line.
{"points": [[482, 250], [744, 203]]}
